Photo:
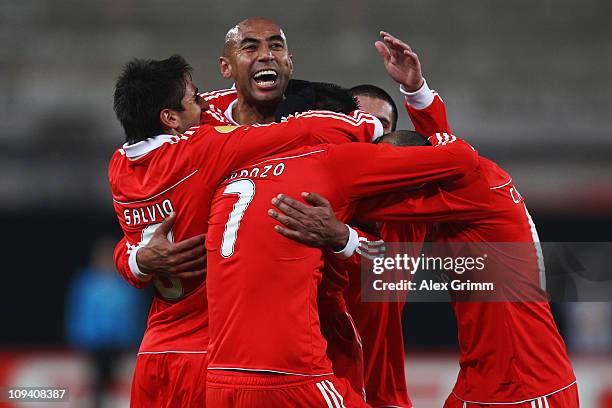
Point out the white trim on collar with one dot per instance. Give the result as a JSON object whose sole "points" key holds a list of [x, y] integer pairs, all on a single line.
{"points": [[228, 112], [137, 150]]}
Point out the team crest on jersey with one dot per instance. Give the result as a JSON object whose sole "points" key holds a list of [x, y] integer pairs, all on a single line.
{"points": [[225, 129]]}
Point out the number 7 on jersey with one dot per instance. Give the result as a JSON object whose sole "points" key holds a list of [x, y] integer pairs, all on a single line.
{"points": [[245, 189]]}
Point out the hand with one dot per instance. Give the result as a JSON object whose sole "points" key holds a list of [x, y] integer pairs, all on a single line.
{"points": [[315, 225], [163, 258], [402, 64]]}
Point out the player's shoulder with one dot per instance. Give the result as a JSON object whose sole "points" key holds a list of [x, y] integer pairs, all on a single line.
{"points": [[159, 148], [316, 151], [355, 117], [117, 161], [220, 96], [496, 176], [118, 155], [218, 103], [199, 138], [298, 155]]}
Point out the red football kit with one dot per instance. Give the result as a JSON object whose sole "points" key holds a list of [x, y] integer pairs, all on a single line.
{"points": [[262, 287], [511, 352], [379, 324], [344, 344], [153, 178], [343, 340]]}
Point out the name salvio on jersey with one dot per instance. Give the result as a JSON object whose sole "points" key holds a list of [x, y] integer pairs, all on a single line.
{"points": [[151, 213]]}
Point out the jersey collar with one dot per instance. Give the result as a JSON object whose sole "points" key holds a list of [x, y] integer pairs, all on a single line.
{"points": [[137, 150], [229, 110]]}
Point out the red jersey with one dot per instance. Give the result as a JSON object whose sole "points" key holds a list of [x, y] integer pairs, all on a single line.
{"points": [[510, 351], [153, 178], [220, 105], [380, 323], [380, 326], [215, 116], [262, 287]]}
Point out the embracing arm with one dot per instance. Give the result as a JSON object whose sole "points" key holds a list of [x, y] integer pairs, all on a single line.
{"points": [[138, 264], [363, 170]]}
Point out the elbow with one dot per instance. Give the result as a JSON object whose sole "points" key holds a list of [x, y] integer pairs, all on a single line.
{"points": [[468, 159]]}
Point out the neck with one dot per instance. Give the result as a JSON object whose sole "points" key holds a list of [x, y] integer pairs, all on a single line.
{"points": [[245, 113]]}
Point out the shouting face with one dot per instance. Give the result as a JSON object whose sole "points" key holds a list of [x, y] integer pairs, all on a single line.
{"points": [[257, 59]]}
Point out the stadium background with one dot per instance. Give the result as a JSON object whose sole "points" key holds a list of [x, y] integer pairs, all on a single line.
{"points": [[526, 82]]}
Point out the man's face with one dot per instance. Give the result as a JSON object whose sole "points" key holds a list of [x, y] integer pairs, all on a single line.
{"points": [[191, 103], [379, 108], [258, 61]]}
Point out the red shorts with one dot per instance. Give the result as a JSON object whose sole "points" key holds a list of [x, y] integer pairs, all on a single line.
{"points": [[227, 389], [565, 398], [169, 380]]}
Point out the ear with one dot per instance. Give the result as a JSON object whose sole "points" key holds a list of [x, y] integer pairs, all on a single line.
{"points": [[290, 63], [225, 67], [169, 119]]}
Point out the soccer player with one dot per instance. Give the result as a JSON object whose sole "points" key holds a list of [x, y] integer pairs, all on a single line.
{"points": [[169, 165], [511, 352], [266, 348], [256, 57], [379, 103], [379, 324]]}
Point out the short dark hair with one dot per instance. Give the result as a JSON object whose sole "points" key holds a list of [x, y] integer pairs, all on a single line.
{"points": [[334, 98], [145, 88], [374, 91], [403, 138], [301, 96]]}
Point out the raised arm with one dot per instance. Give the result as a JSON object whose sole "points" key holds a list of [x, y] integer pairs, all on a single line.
{"points": [[425, 107]]}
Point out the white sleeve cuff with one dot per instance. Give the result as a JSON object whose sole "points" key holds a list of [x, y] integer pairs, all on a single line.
{"points": [[134, 267], [351, 245], [419, 99], [378, 130]]}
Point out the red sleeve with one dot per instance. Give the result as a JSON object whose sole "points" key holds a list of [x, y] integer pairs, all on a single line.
{"points": [[431, 119], [121, 258], [337, 128], [463, 200], [364, 170], [226, 148]]}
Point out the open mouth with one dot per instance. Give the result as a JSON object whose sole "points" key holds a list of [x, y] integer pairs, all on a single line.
{"points": [[266, 78]]}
